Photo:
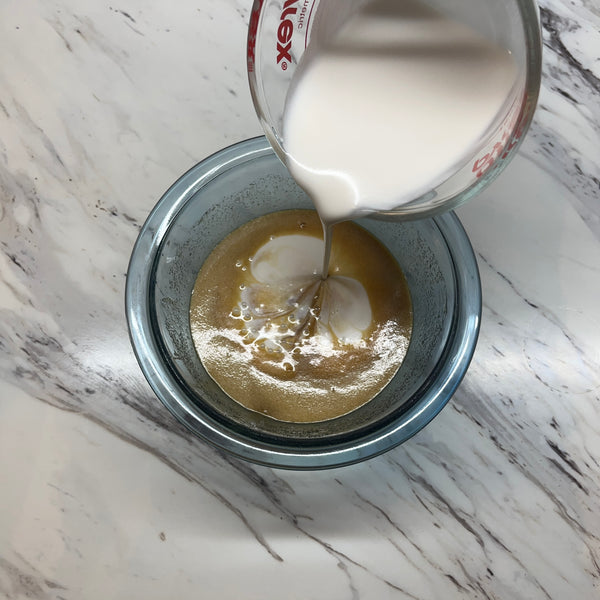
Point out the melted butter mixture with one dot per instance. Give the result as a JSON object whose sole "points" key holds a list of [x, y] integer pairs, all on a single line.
{"points": [[282, 341]]}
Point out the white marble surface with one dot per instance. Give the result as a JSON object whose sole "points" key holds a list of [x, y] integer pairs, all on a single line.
{"points": [[103, 495]]}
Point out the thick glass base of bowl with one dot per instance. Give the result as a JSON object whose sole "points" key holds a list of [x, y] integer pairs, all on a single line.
{"points": [[215, 197]]}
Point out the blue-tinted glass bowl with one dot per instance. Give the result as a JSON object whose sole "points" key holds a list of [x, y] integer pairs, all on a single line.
{"points": [[215, 197]]}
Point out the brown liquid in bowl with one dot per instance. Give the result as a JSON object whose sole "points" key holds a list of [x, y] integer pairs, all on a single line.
{"points": [[280, 340]]}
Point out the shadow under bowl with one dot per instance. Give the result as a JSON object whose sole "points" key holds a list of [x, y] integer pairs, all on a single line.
{"points": [[214, 198]]}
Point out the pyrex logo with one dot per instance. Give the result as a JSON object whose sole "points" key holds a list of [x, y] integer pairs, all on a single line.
{"points": [[284, 33], [511, 134], [252, 31]]}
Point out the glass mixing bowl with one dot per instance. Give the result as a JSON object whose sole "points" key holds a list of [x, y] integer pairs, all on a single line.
{"points": [[215, 197]]}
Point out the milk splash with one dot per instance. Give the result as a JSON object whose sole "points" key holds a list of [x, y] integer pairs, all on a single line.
{"points": [[287, 305]]}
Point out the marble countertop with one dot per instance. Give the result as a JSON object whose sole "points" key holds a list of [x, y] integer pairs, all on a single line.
{"points": [[104, 495]]}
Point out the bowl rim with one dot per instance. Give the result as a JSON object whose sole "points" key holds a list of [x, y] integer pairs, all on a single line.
{"points": [[165, 384]]}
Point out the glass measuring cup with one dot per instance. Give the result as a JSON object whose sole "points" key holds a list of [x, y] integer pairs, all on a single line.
{"points": [[281, 32]]}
